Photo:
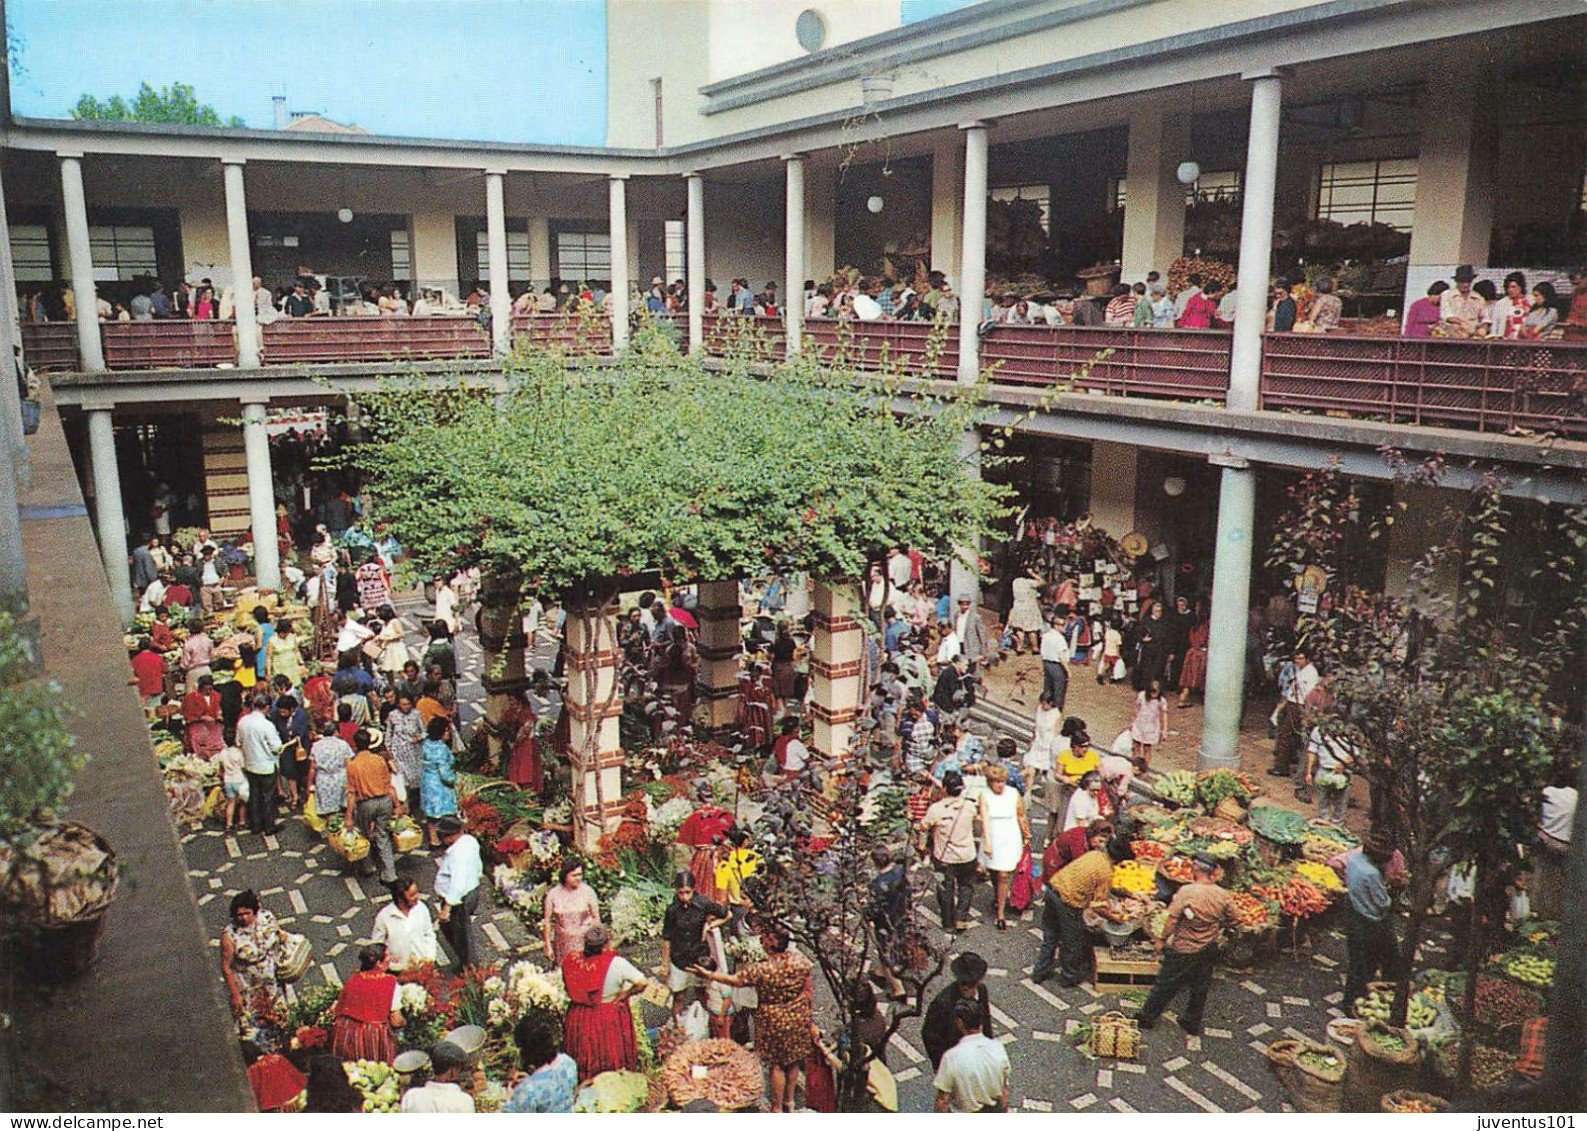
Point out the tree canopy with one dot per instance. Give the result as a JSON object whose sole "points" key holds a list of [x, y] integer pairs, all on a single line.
{"points": [[578, 471], [176, 104]]}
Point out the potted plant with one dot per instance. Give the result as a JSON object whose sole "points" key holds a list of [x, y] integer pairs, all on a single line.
{"points": [[57, 879]]}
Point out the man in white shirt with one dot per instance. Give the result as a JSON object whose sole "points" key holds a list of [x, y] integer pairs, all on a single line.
{"points": [[406, 928], [457, 878], [973, 1075], [209, 592], [261, 759], [1055, 663], [153, 596], [1288, 750], [353, 633], [971, 630], [899, 568], [442, 1094]]}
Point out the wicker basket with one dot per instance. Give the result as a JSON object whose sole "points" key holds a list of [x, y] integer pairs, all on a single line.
{"points": [[1115, 1035], [1398, 1101], [1308, 1086], [1376, 1070], [407, 839], [1230, 810], [350, 844]]}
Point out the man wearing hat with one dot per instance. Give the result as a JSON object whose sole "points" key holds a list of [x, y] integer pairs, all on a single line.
{"points": [[1459, 311], [938, 1033], [372, 799], [1196, 918], [457, 878], [442, 1092]]}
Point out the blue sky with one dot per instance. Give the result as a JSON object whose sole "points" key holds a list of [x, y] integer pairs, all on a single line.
{"points": [[496, 70]]}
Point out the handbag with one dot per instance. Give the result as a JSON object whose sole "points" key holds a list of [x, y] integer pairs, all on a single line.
{"points": [[1115, 1035], [297, 955], [1022, 891]]}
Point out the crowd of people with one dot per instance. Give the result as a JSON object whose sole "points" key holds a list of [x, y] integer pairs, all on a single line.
{"points": [[1475, 308]]}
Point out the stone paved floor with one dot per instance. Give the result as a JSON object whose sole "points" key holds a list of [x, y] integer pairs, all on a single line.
{"points": [[311, 891]]}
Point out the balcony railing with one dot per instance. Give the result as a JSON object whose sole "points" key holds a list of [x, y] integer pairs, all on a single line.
{"points": [[1485, 386]]}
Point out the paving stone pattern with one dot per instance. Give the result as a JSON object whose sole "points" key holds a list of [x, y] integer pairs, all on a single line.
{"points": [[312, 891]]}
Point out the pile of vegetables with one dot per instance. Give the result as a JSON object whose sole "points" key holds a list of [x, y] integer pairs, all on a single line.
{"points": [[721, 1071], [1250, 913], [1177, 786], [1175, 868], [1281, 826], [1148, 851], [1421, 1013], [1501, 1002], [613, 1092], [1321, 875], [1134, 876], [1297, 897], [1212, 786], [1533, 969], [376, 1082]]}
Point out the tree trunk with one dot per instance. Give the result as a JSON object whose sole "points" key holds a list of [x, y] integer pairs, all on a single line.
{"points": [[1565, 1073], [1421, 895], [1476, 946], [501, 638]]}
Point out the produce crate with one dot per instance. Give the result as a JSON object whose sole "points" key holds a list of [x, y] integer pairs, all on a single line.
{"points": [[1123, 971]]}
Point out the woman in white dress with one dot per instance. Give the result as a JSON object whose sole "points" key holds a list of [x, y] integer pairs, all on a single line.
{"points": [[1024, 619], [1044, 745], [1005, 835]]}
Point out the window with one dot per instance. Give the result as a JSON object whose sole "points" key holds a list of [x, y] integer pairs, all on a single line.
{"points": [[1368, 192], [517, 255], [1220, 185], [1040, 195], [122, 252], [401, 254], [30, 253], [677, 250], [584, 255]]}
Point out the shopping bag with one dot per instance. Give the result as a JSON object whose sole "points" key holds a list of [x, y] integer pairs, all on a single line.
{"points": [[1022, 891]]}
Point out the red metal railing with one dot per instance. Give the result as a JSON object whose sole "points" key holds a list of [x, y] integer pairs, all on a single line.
{"points": [[1126, 362], [1484, 386], [50, 346], [371, 338], [175, 344], [573, 333]]}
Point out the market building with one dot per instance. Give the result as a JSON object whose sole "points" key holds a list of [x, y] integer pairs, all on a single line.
{"points": [[784, 145]]}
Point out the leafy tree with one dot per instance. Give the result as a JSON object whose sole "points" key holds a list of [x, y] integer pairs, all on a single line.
{"points": [[176, 104], [1443, 695]]}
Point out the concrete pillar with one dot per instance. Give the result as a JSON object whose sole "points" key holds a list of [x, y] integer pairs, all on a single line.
{"points": [[1154, 206], [81, 258], [1455, 179], [248, 352], [694, 261], [972, 270], [541, 269], [108, 514], [622, 286], [1231, 599], [720, 643], [1256, 241], [10, 348], [261, 496], [496, 251], [1114, 471], [595, 703], [836, 666], [820, 256], [793, 299], [13, 568], [947, 207], [435, 250]]}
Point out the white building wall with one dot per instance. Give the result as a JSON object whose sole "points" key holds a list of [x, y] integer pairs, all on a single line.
{"points": [[745, 37]]}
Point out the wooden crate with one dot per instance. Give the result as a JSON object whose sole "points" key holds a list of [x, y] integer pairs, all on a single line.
{"points": [[1123, 971]]}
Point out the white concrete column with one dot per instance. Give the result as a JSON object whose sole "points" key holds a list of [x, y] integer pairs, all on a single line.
{"points": [[90, 348], [793, 299], [972, 269], [248, 342], [1455, 183], [261, 496], [10, 348], [1154, 206], [622, 285], [1256, 243], [947, 207], [496, 252], [1231, 599], [694, 230], [541, 269], [820, 228], [108, 514]]}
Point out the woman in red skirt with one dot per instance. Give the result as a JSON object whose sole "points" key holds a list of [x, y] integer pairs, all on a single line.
{"points": [[367, 1018], [524, 768], [598, 1032]]}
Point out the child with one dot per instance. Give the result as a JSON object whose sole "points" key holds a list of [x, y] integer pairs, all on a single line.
{"points": [[1149, 725], [232, 780], [1112, 653]]}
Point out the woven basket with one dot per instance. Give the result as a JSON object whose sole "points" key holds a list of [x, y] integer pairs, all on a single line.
{"points": [[350, 844], [1375, 1070], [407, 839], [1308, 1087], [1230, 810], [1396, 1102], [1115, 1035]]}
